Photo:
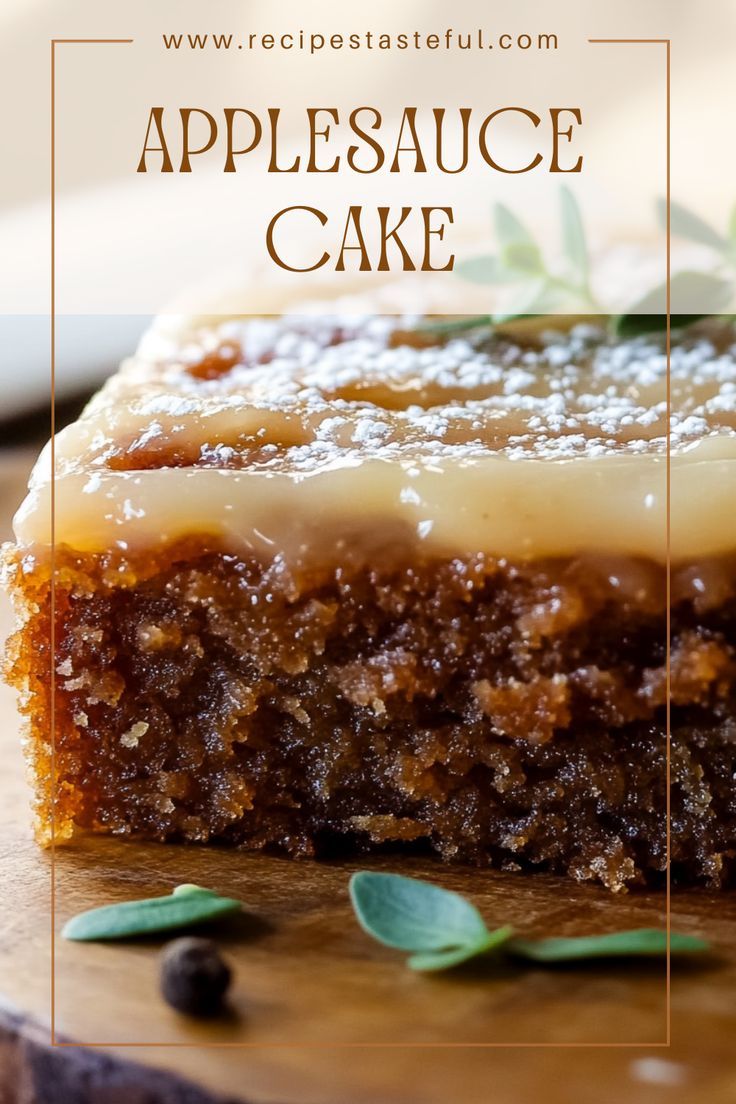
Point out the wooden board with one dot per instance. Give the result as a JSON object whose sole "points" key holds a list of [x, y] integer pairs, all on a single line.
{"points": [[310, 986]]}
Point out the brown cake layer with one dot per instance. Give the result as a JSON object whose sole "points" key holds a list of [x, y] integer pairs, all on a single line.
{"points": [[493, 712], [352, 582]]}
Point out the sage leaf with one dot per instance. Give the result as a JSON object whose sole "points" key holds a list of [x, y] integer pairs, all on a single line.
{"points": [[691, 292], [187, 906], [443, 930], [522, 258], [694, 295], [429, 961], [413, 915], [639, 325], [686, 224], [700, 294], [640, 942], [573, 234], [509, 229]]}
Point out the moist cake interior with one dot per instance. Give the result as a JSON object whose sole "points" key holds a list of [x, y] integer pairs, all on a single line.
{"points": [[369, 686], [211, 699]]}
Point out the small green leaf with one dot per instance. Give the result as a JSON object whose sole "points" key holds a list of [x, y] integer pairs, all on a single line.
{"points": [[691, 292], [444, 930], [693, 295], [573, 234], [484, 270], [413, 915], [432, 961], [639, 325], [523, 258], [187, 906], [686, 224], [509, 229], [641, 942]]}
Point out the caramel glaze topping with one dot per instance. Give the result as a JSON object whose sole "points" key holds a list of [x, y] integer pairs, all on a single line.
{"points": [[278, 435]]}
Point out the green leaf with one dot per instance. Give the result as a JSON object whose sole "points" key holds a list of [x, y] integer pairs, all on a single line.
{"points": [[432, 961], [639, 325], [522, 258], [692, 292], [509, 229], [686, 224], [484, 270], [694, 295], [641, 942], [573, 234], [187, 906], [444, 930], [413, 915]]}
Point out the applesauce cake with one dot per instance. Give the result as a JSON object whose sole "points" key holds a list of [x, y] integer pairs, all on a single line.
{"points": [[327, 584]]}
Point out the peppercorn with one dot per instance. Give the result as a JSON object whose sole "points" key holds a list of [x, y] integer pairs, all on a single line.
{"points": [[194, 976]]}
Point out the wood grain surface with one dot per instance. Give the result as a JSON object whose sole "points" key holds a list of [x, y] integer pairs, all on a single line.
{"points": [[320, 1014]]}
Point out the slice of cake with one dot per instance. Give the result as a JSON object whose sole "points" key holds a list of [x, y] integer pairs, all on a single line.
{"points": [[327, 584]]}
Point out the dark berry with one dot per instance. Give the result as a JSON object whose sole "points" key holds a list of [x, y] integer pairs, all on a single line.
{"points": [[194, 976]]}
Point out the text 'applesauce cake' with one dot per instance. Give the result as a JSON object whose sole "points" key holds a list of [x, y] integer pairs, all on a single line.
{"points": [[327, 584]]}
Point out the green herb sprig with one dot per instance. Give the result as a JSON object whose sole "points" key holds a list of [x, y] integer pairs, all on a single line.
{"points": [[186, 907], [520, 261], [441, 929]]}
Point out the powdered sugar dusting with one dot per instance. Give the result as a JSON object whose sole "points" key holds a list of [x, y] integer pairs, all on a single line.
{"points": [[308, 391]]}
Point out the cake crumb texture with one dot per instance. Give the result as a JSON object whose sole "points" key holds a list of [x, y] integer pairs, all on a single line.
{"points": [[493, 713]]}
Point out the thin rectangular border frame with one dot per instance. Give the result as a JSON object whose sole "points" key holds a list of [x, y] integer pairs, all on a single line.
{"points": [[667, 1042]]}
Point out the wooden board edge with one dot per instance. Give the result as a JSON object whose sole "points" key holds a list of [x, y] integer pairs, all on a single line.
{"points": [[32, 1071]]}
